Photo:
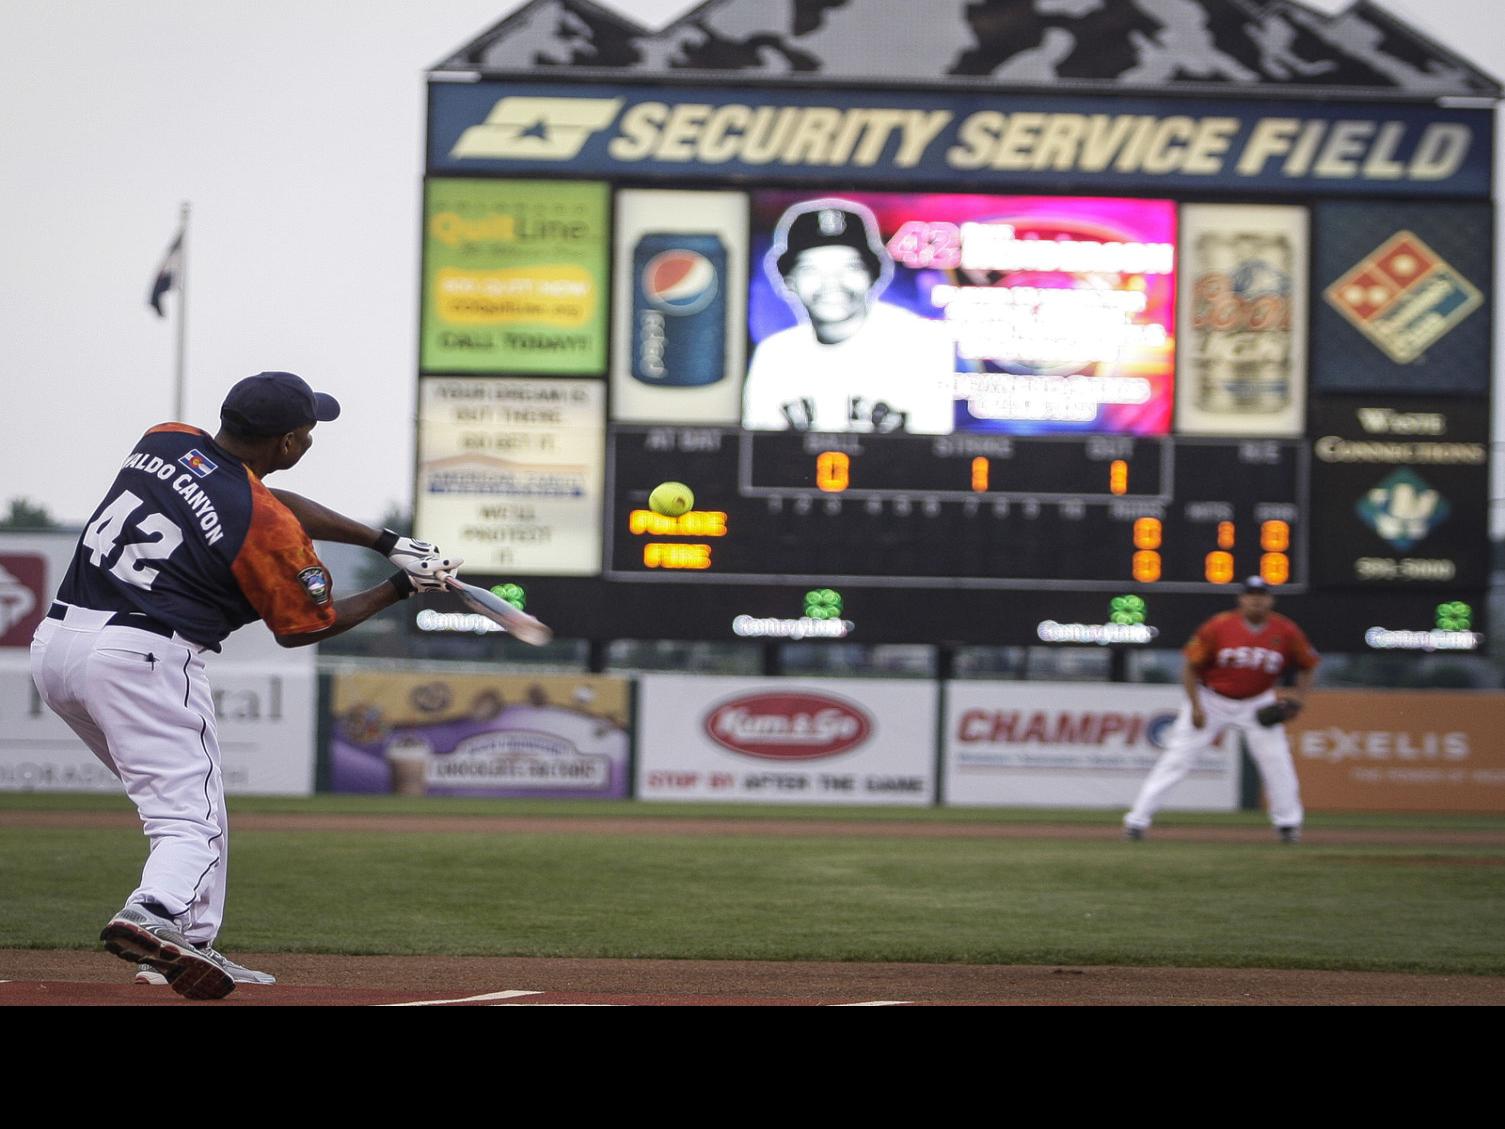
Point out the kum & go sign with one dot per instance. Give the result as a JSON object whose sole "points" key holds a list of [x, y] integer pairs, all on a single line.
{"points": [[997, 141], [833, 741]]}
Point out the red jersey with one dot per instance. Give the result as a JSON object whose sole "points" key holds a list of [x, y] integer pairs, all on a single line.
{"points": [[1236, 660]]}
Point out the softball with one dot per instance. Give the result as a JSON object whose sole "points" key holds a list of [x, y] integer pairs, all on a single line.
{"points": [[671, 499]]}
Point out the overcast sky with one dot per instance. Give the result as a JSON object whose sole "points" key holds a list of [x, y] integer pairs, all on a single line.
{"points": [[295, 129]]}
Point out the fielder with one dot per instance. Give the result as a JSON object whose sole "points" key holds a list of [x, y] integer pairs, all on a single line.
{"points": [[1232, 664], [187, 546]]}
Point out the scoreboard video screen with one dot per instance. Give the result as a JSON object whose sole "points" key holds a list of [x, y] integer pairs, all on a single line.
{"points": [[956, 417]]}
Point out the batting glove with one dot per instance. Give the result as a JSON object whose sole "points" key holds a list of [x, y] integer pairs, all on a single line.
{"points": [[408, 553], [425, 575], [428, 573]]}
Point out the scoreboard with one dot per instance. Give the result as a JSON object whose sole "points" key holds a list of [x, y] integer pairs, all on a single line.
{"points": [[912, 413], [1023, 513]]}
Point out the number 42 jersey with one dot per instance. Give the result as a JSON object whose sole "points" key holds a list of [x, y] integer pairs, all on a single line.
{"points": [[189, 536]]}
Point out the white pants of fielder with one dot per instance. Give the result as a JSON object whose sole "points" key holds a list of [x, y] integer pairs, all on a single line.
{"points": [[1185, 743], [142, 704]]}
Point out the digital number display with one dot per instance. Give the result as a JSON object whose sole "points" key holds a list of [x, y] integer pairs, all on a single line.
{"points": [[984, 511]]}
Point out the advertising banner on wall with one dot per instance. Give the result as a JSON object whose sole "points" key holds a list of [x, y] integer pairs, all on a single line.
{"points": [[1042, 744], [437, 734], [785, 741], [510, 473], [1241, 347], [266, 732], [1405, 303], [1401, 750], [514, 277], [680, 307], [1025, 142], [1400, 492]]}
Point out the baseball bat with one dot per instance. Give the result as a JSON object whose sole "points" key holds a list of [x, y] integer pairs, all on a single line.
{"points": [[519, 624]]}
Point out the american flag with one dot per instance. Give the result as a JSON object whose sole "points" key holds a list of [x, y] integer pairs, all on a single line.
{"points": [[168, 274]]}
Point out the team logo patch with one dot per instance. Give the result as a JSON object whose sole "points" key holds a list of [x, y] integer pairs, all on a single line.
{"points": [[316, 581], [1404, 296], [196, 462]]}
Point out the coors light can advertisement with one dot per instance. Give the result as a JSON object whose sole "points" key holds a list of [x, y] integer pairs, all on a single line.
{"points": [[1241, 368], [781, 741]]}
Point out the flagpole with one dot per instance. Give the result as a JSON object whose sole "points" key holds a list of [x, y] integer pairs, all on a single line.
{"points": [[180, 384]]}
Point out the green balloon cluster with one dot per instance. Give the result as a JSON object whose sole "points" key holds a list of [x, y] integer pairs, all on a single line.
{"points": [[1127, 610], [1455, 616], [512, 593], [823, 603]]}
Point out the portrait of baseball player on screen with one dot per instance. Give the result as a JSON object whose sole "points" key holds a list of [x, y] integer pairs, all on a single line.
{"points": [[853, 362]]}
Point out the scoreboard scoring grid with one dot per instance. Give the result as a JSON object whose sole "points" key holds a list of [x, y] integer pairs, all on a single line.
{"points": [[799, 507]]}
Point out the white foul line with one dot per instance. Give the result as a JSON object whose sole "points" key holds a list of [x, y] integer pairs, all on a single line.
{"points": [[511, 993], [876, 1003]]}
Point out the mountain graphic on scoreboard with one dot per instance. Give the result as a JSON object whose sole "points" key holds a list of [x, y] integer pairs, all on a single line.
{"points": [[1083, 44]]}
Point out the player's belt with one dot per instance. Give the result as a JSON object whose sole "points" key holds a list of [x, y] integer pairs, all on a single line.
{"points": [[139, 620]]}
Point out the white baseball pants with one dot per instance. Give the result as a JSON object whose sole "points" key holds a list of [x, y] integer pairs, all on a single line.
{"points": [[1267, 745], [142, 704]]}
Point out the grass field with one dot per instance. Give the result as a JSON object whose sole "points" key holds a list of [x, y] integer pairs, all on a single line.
{"points": [[1380, 905]]}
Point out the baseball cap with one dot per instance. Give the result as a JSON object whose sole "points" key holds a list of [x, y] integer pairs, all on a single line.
{"points": [[1255, 584], [274, 403], [831, 223]]}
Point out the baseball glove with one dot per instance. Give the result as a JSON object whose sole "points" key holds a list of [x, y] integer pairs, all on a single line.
{"points": [[1277, 712]]}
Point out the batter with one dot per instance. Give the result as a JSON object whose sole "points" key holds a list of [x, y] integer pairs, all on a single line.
{"points": [[187, 546]]}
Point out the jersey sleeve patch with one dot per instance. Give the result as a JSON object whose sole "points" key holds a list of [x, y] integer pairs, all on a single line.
{"points": [[318, 584], [279, 572]]}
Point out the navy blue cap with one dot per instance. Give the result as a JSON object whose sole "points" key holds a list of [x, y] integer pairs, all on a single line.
{"points": [[831, 223], [274, 403], [1255, 584]]}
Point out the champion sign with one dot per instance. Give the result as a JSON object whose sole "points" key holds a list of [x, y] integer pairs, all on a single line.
{"points": [[796, 726]]}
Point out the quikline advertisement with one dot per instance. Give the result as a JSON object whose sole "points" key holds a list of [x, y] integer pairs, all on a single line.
{"points": [[515, 277]]}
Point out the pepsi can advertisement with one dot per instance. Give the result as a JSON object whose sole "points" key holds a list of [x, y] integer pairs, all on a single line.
{"points": [[678, 309]]}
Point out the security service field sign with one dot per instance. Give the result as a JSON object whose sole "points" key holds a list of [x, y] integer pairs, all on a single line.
{"points": [[866, 137], [786, 741]]}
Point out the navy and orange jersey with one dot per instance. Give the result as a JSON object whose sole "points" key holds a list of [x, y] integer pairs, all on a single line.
{"points": [[1239, 661], [188, 535]]}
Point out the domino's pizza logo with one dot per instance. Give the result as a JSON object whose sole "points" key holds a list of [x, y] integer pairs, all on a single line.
{"points": [[679, 281], [199, 464]]}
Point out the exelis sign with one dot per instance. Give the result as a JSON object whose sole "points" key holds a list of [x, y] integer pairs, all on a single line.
{"points": [[706, 132], [1401, 751]]}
